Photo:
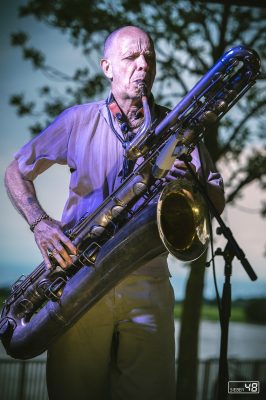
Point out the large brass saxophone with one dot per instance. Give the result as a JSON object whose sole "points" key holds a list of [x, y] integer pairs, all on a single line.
{"points": [[123, 233]]}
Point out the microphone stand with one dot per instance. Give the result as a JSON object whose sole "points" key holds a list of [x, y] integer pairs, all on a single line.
{"points": [[231, 250]]}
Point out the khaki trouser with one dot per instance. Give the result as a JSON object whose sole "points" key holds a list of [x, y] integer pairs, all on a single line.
{"points": [[121, 349]]}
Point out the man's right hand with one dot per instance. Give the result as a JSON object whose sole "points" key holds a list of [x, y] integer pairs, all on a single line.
{"points": [[51, 240], [48, 233]]}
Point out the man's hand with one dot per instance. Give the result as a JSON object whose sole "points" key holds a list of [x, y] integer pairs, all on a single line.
{"points": [[178, 170], [48, 233], [50, 239]]}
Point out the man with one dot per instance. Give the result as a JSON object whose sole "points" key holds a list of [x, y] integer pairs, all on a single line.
{"points": [[123, 348]]}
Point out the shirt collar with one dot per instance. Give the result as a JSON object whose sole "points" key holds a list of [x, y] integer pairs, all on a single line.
{"points": [[104, 113]]}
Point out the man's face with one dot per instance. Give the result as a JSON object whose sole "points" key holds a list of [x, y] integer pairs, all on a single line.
{"points": [[132, 58]]}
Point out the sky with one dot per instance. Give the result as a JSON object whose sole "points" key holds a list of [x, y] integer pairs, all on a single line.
{"points": [[19, 253]]}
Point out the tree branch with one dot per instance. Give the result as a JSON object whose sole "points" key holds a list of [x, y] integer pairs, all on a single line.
{"points": [[255, 169], [246, 117]]}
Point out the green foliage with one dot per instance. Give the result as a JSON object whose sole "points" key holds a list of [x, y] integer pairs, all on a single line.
{"points": [[22, 106], [252, 310]]}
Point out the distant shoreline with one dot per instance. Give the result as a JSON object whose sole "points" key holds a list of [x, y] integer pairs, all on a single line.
{"points": [[249, 311]]}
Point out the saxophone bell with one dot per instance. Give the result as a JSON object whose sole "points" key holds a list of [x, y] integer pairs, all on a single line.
{"points": [[182, 220]]}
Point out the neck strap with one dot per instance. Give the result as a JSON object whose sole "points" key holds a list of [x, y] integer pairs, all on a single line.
{"points": [[112, 107]]}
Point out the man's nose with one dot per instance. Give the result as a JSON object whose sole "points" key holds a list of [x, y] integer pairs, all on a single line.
{"points": [[142, 62]]}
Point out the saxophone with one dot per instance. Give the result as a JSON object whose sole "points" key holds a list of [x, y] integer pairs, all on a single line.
{"points": [[44, 304]]}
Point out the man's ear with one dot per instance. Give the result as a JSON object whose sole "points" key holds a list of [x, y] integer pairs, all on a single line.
{"points": [[107, 68]]}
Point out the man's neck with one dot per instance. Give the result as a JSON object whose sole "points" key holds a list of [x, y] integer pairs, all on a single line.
{"points": [[130, 108]]}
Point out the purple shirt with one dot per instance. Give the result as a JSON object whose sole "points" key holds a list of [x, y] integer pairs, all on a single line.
{"points": [[81, 137]]}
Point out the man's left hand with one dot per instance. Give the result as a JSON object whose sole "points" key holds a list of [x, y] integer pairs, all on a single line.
{"points": [[179, 170]]}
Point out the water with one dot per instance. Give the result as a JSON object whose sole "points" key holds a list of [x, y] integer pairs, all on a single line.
{"points": [[246, 341]]}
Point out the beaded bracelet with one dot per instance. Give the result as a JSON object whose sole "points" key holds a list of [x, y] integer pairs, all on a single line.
{"points": [[43, 216]]}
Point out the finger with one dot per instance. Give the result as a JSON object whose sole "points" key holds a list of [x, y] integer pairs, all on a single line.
{"points": [[59, 259], [64, 239], [170, 177], [59, 249], [180, 164], [46, 258], [178, 173]]}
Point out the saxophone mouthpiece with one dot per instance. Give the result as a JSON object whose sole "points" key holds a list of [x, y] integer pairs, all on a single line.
{"points": [[142, 88]]}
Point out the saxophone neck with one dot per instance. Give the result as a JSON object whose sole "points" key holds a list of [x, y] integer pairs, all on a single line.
{"points": [[134, 148]]}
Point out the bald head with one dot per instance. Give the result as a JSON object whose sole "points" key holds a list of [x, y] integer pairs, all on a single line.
{"points": [[115, 35], [129, 58]]}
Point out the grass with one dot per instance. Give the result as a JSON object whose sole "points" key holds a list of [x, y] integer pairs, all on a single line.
{"points": [[210, 312]]}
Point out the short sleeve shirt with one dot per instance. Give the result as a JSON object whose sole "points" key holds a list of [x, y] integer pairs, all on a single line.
{"points": [[81, 138]]}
